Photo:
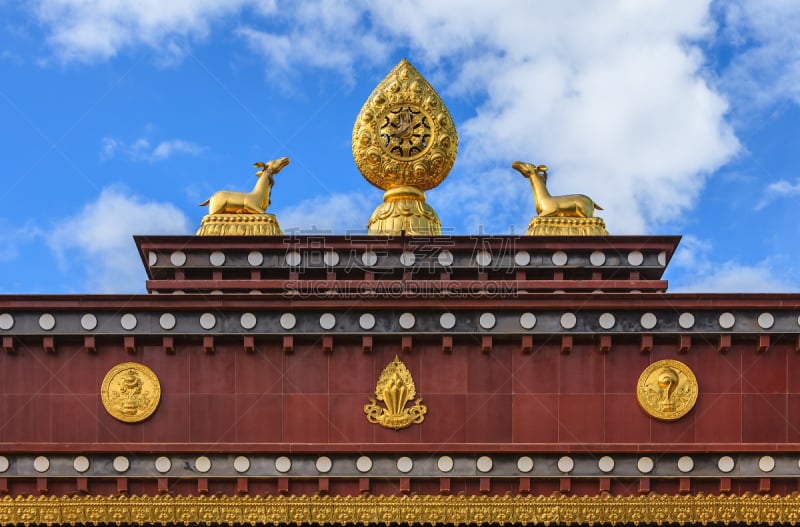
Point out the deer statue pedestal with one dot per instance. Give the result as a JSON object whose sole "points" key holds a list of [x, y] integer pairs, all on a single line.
{"points": [[564, 226], [239, 225]]}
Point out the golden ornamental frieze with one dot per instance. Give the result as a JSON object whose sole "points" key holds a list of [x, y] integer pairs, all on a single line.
{"points": [[130, 392], [404, 135], [413, 510], [395, 389], [667, 390]]}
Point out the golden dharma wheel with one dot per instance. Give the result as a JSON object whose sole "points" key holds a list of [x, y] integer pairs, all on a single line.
{"points": [[404, 135]]}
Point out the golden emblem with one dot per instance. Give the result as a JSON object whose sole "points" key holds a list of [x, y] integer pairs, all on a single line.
{"points": [[560, 215], [667, 390], [243, 213], [130, 392], [404, 142], [395, 388]]}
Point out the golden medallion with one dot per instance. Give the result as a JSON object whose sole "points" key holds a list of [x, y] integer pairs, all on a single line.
{"points": [[130, 392], [395, 388], [667, 390]]}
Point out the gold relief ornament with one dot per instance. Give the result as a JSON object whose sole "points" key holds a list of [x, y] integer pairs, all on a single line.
{"points": [[319, 509], [404, 142], [244, 213], [395, 388], [570, 215], [667, 390], [130, 392]]}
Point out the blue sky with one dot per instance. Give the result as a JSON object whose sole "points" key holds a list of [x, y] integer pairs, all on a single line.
{"points": [[119, 116]]}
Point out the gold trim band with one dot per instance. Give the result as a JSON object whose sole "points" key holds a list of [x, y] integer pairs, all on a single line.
{"points": [[452, 510]]}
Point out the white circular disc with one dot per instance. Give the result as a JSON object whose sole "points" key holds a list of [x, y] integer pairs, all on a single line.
{"points": [[327, 321], [444, 464], [330, 258], [484, 464], [447, 320], [766, 463], [405, 464], [217, 258], [6, 321], [41, 464], [178, 258], [445, 258], [559, 258], [648, 321], [607, 321], [686, 320], [364, 464], [47, 321], [248, 320], [167, 321], [81, 463], [288, 321], [121, 464], [369, 258], [163, 464], [324, 464], [128, 321], [645, 465], [4, 464], [208, 321], [152, 258], [366, 321], [727, 320], [726, 464], [527, 320], [662, 258], [685, 464], [241, 464], [283, 464], [597, 258], [569, 320], [525, 464], [487, 320], [483, 258], [202, 464], [407, 258], [566, 464], [635, 258], [407, 320], [88, 322], [605, 464], [522, 258], [255, 258], [766, 320], [293, 258]]}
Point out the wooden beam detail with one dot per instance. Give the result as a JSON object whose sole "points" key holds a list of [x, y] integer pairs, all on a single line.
{"points": [[129, 343], [486, 344], [168, 343], [605, 343], [327, 343], [684, 343], [366, 343], [724, 345], [405, 343], [8, 344], [249, 344], [447, 343], [566, 344], [288, 344], [647, 344], [763, 343], [208, 343], [527, 343], [49, 344]]}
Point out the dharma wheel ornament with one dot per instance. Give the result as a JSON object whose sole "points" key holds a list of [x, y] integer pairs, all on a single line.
{"points": [[404, 142]]}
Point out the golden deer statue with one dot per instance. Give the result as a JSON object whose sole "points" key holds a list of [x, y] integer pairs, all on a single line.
{"points": [[255, 202], [572, 205]]}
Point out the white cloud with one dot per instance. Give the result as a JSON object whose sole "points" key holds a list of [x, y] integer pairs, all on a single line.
{"points": [[87, 30], [333, 213], [699, 272], [97, 239], [765, 57], [778, 189], [142, 150]]}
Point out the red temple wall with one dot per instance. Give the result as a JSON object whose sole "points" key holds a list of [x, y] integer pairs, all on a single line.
{"points": [[553, 400]]}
